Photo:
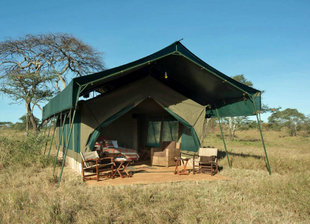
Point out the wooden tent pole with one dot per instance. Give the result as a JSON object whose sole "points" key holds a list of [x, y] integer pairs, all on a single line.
{"points": [[219, 118]]}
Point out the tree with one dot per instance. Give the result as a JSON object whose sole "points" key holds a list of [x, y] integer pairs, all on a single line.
{"points": [[29, 88], [240, 78], [306, 125], [290, 118], [59, 54], [29, 64], [235, 122], [23, 123], [5, 124]]}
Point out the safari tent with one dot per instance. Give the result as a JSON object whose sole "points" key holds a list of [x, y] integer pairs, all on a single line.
{"points": [[166, 95]]}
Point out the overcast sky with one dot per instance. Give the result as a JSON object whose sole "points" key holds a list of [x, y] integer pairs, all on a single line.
{"points": [[267, 41]]}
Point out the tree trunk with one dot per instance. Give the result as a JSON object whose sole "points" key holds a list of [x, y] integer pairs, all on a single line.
{"points": [[234, 128], [27, 123], [230, 125], [295, 130], [32, 120]]}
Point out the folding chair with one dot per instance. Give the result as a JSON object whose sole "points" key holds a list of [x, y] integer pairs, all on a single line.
{"points": [[92, 163], [207, 161]]}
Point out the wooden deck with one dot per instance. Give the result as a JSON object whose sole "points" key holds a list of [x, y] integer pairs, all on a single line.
{"points": [[146, 174]]}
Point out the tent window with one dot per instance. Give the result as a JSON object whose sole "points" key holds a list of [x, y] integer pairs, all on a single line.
{"points": [[153, 136], [159, 131], [170, 131]]}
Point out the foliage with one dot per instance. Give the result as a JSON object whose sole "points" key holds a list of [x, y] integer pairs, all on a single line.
{"points": [[28, 65], [289, 118], [22, 151], [5, 124], [56, 54], [30, 88], [22, 125], [246, 124], [240, 78]]}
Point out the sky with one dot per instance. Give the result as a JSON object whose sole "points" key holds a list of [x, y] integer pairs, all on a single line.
{"points": [[267, 41]]}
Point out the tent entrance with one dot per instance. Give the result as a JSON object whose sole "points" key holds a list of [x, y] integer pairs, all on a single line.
{"points": [[146, 125]]}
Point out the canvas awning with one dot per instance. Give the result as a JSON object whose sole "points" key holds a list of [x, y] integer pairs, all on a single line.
{"points": [[119, 102], [176, 67]]}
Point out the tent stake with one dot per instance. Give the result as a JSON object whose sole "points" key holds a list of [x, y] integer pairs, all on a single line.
{"points": [[66, 148], [218, 116], [50, 148], [61, 138]]}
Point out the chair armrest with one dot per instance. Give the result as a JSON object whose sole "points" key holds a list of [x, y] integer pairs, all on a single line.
{"points": [[110, 157], [88, 160]]}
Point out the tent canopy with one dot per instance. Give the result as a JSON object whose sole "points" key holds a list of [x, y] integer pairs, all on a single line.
{"points": [[176, 67], [122, 100]]}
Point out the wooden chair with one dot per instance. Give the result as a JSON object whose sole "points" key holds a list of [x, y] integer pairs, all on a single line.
{"points": [[207, 161], [164, 156], [91, 163]]}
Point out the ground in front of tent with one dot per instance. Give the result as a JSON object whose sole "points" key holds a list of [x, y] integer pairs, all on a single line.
{"points": [[146, 174]]}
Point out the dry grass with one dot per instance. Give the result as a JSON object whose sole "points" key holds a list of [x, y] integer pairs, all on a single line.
{"points": [[30, 195]]}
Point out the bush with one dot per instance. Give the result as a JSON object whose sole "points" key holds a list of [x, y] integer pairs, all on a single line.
{"points": [[24, 152]]}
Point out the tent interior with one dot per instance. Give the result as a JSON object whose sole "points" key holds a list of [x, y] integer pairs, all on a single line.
{"points": [[147, 125]]}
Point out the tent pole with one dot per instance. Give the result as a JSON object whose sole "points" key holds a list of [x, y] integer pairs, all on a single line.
{"points": [[66, 147], [219, 118], [48, 135], [62, 134], [261, 135], [262, 138], [49, 151], [80, 89]]}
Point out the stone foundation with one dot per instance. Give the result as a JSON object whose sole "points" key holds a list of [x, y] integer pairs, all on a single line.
{"points": [[72, 163]]}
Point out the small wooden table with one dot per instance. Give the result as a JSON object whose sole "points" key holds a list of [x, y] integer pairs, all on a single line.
{"points": [[122, 167], [178, 161]]}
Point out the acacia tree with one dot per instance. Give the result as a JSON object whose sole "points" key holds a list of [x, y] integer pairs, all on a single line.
{"points": [[290, 118], [62, 53], [29, 88], [29, 64]]}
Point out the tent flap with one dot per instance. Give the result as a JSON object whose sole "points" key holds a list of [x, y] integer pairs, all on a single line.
{"points": [[93, 137], [241, 108]]}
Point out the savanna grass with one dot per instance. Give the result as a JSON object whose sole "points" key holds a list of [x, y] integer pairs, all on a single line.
{"points": [[29, 194]]}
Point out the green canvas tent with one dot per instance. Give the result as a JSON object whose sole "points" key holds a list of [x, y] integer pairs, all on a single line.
{"points": [[180, 85]]}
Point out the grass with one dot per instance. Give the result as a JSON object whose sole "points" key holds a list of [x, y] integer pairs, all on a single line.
{"points": [[29, 193]]}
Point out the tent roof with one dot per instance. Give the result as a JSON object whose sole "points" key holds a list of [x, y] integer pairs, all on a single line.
{"points": [[178, 68]]}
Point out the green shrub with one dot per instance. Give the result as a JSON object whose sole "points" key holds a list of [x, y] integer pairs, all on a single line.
{"points": [[24, 151]]}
